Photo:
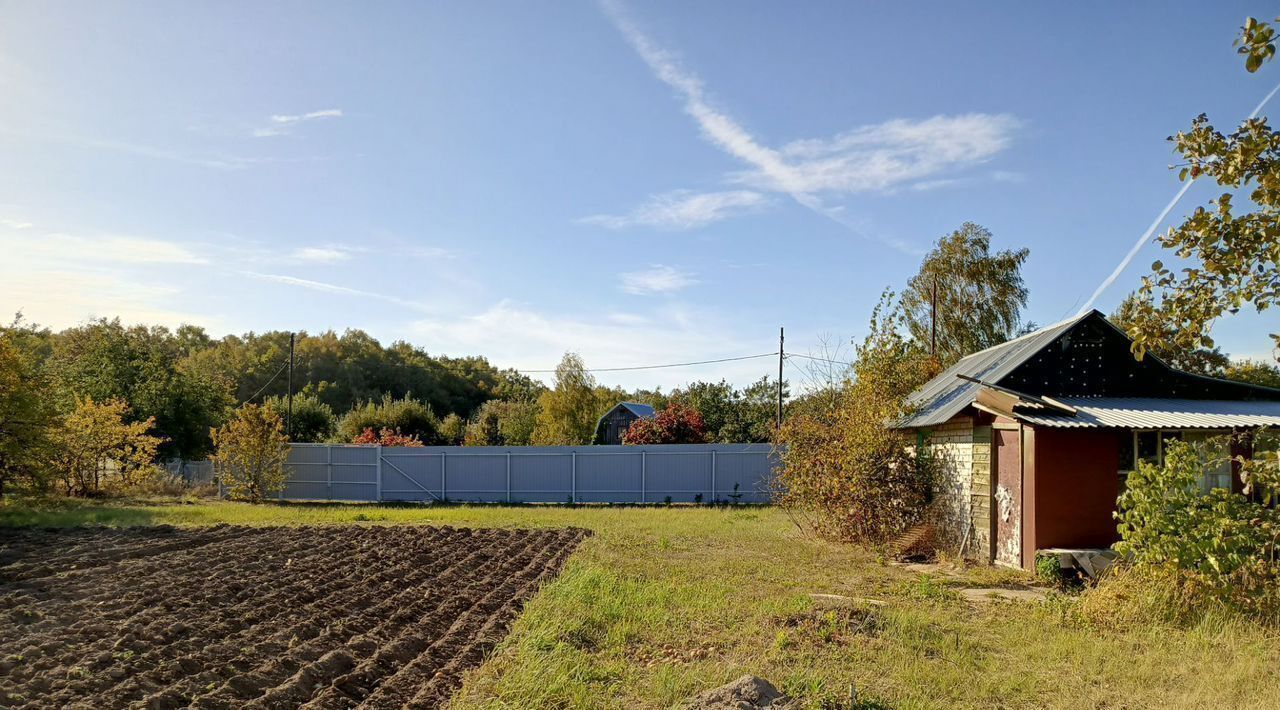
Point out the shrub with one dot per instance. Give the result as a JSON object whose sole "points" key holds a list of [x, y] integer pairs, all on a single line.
{"points": [[453, 429], [95, 450], [251, 453], [676, 424], [408, 416], [844, 472], [386, 437], [1189, 552]]}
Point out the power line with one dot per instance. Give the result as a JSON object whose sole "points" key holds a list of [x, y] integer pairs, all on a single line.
{"points": [[268, 384], [821, 359], [674, 364]]}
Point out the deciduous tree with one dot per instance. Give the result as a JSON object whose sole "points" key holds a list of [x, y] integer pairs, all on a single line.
{"points": [[1200, 360], [25, 418], [502, 423], [251, 453], [313, 421], [979, 295], [567, 413]]}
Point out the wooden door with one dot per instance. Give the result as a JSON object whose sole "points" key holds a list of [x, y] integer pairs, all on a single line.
{"points": [[1008, 496]]}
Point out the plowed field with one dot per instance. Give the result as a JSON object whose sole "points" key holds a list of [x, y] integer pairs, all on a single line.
{"points": [[223, 617]]}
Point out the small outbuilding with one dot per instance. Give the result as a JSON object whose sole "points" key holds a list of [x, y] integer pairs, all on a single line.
{"points": [[614, 423], [1036, 436]]}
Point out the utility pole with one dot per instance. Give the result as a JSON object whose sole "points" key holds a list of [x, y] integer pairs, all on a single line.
{"points": [[933, 319], [288, 417], [781, 340]]}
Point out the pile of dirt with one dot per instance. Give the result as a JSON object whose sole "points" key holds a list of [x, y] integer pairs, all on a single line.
{"points": [[233, 616], [746, 693]]}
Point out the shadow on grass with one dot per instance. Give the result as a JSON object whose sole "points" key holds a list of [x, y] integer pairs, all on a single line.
{"points": [[68, 512]]}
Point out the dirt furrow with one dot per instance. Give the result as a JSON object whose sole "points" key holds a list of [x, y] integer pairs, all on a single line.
{"points": [[271, 617]]}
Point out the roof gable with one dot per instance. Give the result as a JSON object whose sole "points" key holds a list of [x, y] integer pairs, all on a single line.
{"points": [[1084, 356]]}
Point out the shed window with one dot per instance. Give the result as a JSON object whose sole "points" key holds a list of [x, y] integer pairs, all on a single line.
{"points": [[1149, 446]]}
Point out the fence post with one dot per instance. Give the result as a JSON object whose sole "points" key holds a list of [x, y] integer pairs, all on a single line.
{"points": [[444, 494], [644, 471], [377, 471], [573, 492], [713, 477], [328, 471], [508, 476]]}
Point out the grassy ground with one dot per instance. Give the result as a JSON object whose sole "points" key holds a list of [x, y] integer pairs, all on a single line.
{"points": [[663, 602]]}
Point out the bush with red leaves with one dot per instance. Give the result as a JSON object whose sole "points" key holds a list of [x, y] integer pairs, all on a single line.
{"points": [[677, 424], [386, 437]]}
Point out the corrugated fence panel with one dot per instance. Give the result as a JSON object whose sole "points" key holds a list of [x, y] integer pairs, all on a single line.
{"points": [[308, 469], [541, 475], [752, 472], [355, 473], [410, 474], [479, 477], [532, 474], [613, 477], [682, 476]]}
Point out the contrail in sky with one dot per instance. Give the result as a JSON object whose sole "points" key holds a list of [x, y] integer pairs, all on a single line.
{"points": [[1137, 246]]}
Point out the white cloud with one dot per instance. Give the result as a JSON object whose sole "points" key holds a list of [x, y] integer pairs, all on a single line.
{"points": [[926, 185], [282, 124], [656, 279], [432, 253], [15, 224], [63, 248], [682, 209], [886, 155], [323, 113], [323, 255], [875, 157], [335, 289]]}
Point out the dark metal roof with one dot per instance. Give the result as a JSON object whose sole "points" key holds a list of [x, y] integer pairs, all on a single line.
{"points": [[643, 411], [947, 395], [1153, 413]]}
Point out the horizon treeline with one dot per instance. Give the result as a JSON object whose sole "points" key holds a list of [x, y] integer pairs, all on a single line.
{"points": [[190, 382]]}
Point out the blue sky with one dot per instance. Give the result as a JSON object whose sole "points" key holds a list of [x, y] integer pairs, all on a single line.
{"points": [[640, 182]]}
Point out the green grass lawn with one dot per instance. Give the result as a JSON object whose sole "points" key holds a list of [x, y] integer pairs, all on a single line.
{"points": [[662, 603]]}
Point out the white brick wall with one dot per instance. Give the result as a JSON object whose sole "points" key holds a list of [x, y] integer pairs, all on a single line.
{"points": [[952, 446]]}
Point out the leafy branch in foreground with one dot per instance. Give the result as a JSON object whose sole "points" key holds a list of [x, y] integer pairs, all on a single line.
{"points": [[1233, 259]]}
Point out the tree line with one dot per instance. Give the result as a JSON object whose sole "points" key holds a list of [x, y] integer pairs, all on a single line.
{"points": [[111, 393]]}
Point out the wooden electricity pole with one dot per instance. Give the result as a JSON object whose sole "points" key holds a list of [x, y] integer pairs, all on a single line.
{"points": [[288, 417], [933, 319], [781, 340]]}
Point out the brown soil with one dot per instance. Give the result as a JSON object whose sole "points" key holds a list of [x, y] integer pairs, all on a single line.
{"points": [[228, 617]]}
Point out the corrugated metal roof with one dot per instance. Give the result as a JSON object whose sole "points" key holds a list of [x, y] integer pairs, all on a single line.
{"points": [[643, 411], [1151, 413], [946, 395]]}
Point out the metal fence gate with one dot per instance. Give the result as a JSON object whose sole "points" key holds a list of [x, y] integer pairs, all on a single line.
{"points": [[532, 474]]}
